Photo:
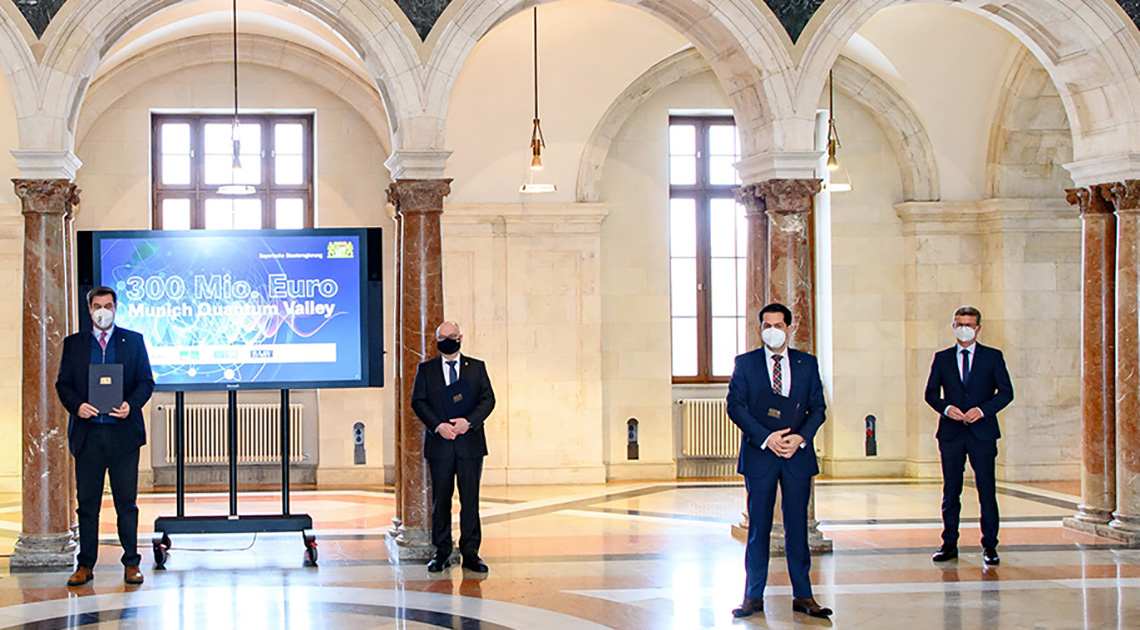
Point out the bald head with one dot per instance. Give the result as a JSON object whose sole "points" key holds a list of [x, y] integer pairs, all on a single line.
{"points": [[448, 330]]}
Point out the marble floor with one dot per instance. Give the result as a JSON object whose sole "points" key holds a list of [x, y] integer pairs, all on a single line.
{"points": [[635, 556]]}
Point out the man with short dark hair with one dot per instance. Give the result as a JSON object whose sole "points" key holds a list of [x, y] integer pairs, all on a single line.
{"points": [[968, 385], [105, 443], [776, 398]]}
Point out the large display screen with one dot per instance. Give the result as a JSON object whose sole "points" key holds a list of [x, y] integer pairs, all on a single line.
{"points": [[258, 309]]}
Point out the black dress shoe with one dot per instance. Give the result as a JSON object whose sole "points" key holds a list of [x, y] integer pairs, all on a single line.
{"points": [[438, 563], [750, 607], [810, 607], [990, 556], [476, 564], [944, 553]]}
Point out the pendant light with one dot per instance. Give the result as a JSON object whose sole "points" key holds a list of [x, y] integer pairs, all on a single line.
{"points": [[537, 142], [234, 188], [835, 183]]}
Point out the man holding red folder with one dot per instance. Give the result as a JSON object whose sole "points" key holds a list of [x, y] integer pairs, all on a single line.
{"points": [[452, 396]]}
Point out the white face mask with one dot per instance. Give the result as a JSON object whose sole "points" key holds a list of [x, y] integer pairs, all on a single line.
{"points": [[965, 334], [103, 317], [774, 338]]}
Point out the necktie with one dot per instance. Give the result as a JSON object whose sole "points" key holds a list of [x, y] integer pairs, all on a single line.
{"points": [[103, 339], [777, 376], [965, 365], [453, 374]]}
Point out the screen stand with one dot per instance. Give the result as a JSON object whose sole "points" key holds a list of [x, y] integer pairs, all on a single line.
{"points": [[233, 523]]}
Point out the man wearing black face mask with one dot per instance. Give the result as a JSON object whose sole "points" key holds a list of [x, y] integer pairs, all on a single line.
{"points": [[452, 396]]}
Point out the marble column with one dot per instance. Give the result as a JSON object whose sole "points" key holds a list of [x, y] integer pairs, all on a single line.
{"points": [[46, 539], [788, 273], [419, 310], [756, 289], [1125, 524], [1098, 357]]}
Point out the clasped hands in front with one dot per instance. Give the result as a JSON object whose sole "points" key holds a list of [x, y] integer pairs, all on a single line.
{"points": [[968, 417], [784, 443], [88, 411], [453, 428]]}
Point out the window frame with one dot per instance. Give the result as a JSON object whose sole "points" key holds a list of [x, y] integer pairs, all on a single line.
{"points": [[197, 191], [702, 192]]}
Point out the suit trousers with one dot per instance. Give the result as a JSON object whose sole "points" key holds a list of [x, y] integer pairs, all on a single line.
{"points": [[982, 455], [446, 473], [103, 453], [795, 493]]}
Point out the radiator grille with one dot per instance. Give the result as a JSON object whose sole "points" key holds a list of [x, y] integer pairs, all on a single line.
{"points": [[706, 429], [259, 434]]}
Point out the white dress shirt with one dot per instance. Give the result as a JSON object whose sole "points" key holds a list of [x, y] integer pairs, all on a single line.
{"points": [[785, 370], [447, 368]]}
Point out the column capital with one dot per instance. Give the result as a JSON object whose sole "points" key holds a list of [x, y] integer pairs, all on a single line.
{"points": [[47, 164], [47, 196], [1091, 200], [1126, 196], [408, 164], [418, 195], [780, 196]]}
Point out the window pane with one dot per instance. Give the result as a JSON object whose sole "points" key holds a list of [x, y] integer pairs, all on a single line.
{"points": [[741, 230], [250, 171], [682, 227], [219, 150], [725, 288], [176, 214], [741, 336], [722, 228], [722, 140], [682, 140], [683, 287], [682, 170], [722, 172], [218, 139], [287, 139], [290, 214], [288, 169], [219, 214], [724, 345], [176, 139], [219, 169], [175, 169], [684, 346], [741, 286], [247, 214]]}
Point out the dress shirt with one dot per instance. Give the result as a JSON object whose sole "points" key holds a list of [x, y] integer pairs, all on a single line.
{"points": [[447, 368]]}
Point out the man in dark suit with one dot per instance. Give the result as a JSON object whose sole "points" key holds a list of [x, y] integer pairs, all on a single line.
{"points": [[776, 398], [968, 385], [105, 443], [452, 396]]}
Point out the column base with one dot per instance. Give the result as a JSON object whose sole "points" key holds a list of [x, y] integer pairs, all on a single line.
{"points": [[44, 552], [816, 541], [1089, 514], [1112, 531], [409, 545]]}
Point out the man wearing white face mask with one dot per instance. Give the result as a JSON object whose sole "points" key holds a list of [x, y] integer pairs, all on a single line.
{"points": [[105, 443], [968, 385], [776, 398]]}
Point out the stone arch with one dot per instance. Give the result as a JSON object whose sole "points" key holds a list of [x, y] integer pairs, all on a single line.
{"points": [[257, 49], [902, 127], [84, 31], [1028, 147], [16, 60], [744, 45], [1087, 48], [914, 152]]}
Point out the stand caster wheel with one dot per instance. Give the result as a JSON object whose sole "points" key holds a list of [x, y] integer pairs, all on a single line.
{"points": [[161, 551], [310, 549]]}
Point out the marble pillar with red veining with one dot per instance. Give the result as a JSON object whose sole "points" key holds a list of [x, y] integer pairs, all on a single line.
{"points": [[756, 281], [398, 385], [72, 322], [1098, 353], [45, 539], [789, 204], [1126, 518], [780, 269], [419, 206]]}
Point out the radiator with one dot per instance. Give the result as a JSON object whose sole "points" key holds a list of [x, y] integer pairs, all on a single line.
{"points": [[259, 434], [706, 429]]}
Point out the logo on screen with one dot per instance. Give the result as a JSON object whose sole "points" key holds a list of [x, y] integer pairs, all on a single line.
{"points": [[340, 249]]}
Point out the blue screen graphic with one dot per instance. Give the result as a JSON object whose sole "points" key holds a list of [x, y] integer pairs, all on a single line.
{"points": [[240, 310]]}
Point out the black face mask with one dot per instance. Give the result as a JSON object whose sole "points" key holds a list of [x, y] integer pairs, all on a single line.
{"points": [[448, 346]]}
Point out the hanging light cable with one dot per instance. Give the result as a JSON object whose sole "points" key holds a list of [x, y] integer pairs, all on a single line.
{"points": [[537, 142], [832, 133]]}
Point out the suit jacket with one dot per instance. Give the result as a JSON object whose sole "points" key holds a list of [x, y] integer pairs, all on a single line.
{"points": [[430, 405], [752, 406], [138, 384], [988, 389]]}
